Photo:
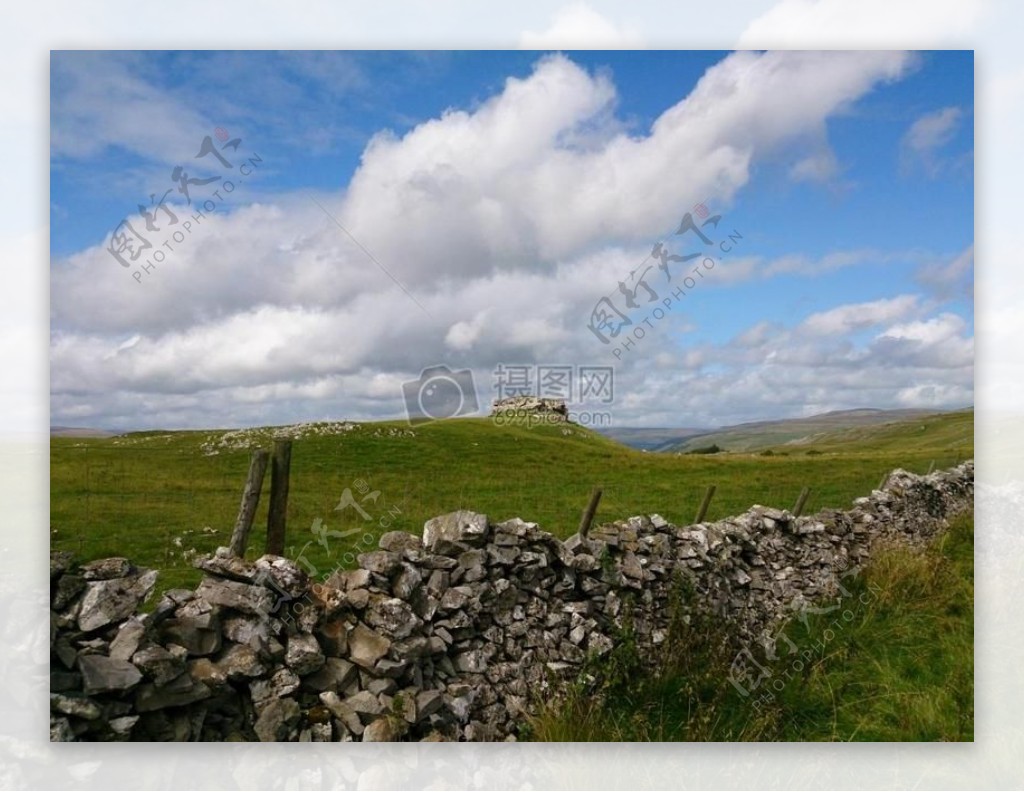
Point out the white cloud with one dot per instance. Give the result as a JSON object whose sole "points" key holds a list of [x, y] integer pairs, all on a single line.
{"points": [[102, 102], [819, 166], [578, 26], [872, 23], [502, 181], [848, 318], [506, 222], [927, 136], [947, 279]]}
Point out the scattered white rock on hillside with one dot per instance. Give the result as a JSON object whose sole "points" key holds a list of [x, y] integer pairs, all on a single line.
{"points": [[239, 439]]}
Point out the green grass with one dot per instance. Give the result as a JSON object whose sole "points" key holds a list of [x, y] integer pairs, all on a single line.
{"points": [[156, 497], [900, 669], [944, 431]]}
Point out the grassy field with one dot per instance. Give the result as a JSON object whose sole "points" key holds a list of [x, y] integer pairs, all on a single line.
{"points": [[161, 497], [901, 669]]}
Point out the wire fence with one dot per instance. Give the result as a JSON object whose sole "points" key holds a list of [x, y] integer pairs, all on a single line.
{"points": [[163, 505]]}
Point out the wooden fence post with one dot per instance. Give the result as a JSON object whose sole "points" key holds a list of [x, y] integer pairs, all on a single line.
{"points": [[280, 464], [801, 501], [588, 513], [882, 483], [250, 500], [704, 504]]}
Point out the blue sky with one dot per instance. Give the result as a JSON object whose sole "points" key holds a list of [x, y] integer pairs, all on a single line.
{"points": [[507, 192]]}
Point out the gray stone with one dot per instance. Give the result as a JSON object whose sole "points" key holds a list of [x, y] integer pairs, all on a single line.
{"points": [[390, 668], [345, 579], [204, 670], [366, 647], [105, 674], [303, 654], [335, 675], [240, 661], [278, 720], [129, 637], [386, 729], [106, 569], [223, 564], [392, 616], [78, 706], [399, 541], [282, 574], [60, 730], [122, 727], [380, 685], [472, 662], [428, 702], [108, 601], [61, 681], [406, 581], [366, 705], [253, 631], [456, 598], [68, 587], [333, 637], [357, 598], [631, 566], [176, 693], [380, 562], [446, 532], [282, 683], [159, 664], [60, 562], [242, 597], [199, 635], [342, 711]]}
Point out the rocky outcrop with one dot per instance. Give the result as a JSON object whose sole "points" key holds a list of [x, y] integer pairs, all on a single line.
{"points": [[530, 406], [453, 635]]}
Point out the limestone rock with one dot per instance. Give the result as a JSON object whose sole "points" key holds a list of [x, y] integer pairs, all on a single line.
{"points": [[366, 647], [242, 597], [448, 531], [111, 600], [106, 569], [159, 664], [277, 720], [102, 674], [303, 654]]}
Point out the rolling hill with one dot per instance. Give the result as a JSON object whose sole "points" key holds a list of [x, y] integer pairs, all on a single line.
{"points": [[760, 435]]}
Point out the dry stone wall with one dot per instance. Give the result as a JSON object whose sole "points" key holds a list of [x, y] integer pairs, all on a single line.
{"points": [[452, 635]]}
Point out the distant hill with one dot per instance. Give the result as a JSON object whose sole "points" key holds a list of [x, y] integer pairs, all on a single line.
{"points": [[77, 431], [649, 439], [760, 435], [938, 432]]}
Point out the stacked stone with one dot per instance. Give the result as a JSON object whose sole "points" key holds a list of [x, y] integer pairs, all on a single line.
{"points": [[452, 636], [523, 406]]}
